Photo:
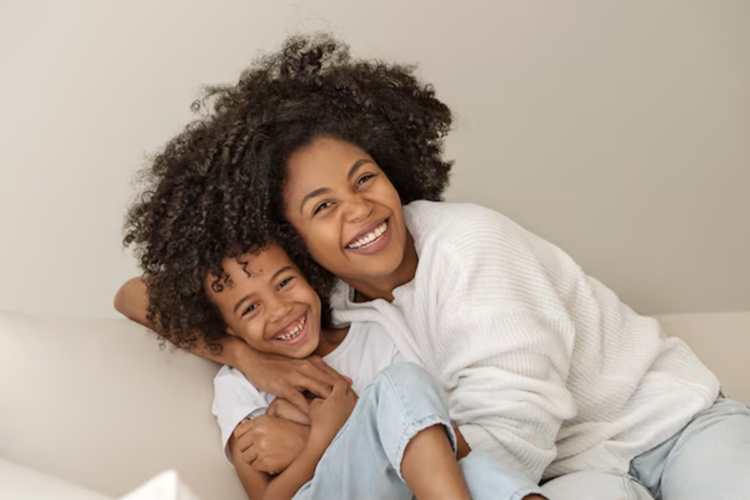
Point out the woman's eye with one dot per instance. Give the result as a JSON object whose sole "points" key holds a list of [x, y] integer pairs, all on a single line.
{"points": [[322, 207], [364, 179], [284, 283], [250, 308]]}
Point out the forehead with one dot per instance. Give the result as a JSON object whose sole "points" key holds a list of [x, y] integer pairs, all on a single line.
{"points": [[323, 154], [248, 271]]}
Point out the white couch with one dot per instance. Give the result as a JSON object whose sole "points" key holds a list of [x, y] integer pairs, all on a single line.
{"points": [[98, 403]]}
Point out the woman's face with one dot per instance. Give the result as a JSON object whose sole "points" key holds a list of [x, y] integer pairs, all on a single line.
{"points": [[346, 210]]}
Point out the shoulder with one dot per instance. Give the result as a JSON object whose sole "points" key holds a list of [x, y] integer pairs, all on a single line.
{"points": [[481, 255], [457, 231], [369, 331], [426, 216], [369, 337], [231, 385]]}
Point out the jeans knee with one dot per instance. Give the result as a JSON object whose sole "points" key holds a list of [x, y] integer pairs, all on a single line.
{"points": [[406, 374], [409, 380]]}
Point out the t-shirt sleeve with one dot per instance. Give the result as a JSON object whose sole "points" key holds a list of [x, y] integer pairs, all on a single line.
{"points": [[235, 399]]}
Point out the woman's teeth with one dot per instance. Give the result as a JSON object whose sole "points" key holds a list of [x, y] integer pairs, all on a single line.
{"points": [[296, 331], [370, 237]]}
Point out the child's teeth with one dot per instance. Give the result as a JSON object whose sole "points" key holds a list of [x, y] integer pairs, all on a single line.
{"points": [[295, 332]]}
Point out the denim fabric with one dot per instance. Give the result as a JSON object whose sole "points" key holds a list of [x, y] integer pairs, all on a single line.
{"points": [[708, 459], [364, 460]]}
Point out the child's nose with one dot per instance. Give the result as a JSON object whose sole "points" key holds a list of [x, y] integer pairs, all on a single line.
{"points": [[280, 309]]}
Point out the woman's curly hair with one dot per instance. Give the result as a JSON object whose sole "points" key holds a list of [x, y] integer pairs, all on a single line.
{"points": [[216, 188]]}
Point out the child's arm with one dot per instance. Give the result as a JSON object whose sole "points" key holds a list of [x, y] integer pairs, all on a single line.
{"points": [[262, 486], [254, 481], [284, 377], [327, 417], [270, 443]]}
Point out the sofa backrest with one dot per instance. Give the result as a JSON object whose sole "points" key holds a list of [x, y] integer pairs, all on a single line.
{"points": [[100, 404]]}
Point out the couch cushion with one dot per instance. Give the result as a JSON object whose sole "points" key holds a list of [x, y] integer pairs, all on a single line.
{"points": [[97, 402], [22, 483]]}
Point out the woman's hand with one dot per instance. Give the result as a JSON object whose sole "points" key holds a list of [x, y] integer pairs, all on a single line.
{"points": [[287, 378], [282, 408], [269, 444], [328, 415]]}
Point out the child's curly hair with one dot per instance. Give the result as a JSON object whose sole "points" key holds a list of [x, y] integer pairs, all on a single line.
{"points": [[216, 188]]}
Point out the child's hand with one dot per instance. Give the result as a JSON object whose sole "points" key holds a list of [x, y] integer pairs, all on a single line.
{"points": [[269, 444], [282, 408], [286, 377], [327, 416]]}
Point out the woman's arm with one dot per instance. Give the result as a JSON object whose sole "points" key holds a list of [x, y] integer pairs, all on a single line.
{"points": [[283, 377], [132, 302], [506, 338]]}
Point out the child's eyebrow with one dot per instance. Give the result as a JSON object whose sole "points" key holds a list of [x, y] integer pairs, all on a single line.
{"points": [[240, 302], [273, 278], [280, 271]]}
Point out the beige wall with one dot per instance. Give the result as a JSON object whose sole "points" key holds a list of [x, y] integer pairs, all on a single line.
{"points": [[722, 341], [619, 130]]}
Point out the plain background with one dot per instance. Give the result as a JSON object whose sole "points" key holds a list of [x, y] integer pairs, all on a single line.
{"points": [[618, 130]]}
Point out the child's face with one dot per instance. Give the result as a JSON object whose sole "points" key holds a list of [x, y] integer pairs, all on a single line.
{"points": [[346, 210], [268, 303]]}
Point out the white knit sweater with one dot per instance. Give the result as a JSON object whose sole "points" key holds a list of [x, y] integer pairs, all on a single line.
{"points": [[546, 369]]}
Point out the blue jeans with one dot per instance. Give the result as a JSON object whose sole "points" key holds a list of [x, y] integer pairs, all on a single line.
{"points": [[708, 459], [364, 460]]}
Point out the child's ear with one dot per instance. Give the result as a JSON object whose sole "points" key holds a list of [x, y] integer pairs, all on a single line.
{"points": [[231, 332]]}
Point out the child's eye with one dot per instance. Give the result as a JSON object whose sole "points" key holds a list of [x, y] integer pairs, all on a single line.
{"points": [[284, 283], [364, 179], [322, 207], [250, 308]]}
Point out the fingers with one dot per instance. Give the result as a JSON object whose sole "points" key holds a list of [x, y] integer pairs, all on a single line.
{"points": [[322, 389], [249, 456], [330, 372], [278, 407], [286, 410], [318, 377], [341, 388], [243, 428], [297, 399]]}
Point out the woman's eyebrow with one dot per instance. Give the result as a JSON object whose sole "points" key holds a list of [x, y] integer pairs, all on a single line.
{"points": [[317, 192], [310, 195], [357, 165]]}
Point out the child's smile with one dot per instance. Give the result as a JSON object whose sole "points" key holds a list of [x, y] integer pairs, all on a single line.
{"points": [[268, 303]]}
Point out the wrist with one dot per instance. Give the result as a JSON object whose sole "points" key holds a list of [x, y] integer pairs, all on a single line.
{"points": [[239, 355], [319, 437]]}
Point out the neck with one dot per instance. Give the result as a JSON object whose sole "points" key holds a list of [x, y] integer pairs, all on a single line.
{"points": [[382, 288], [330, 339]]}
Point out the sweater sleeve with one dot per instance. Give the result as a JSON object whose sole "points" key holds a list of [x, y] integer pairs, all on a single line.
{"points": [[504, 341]]}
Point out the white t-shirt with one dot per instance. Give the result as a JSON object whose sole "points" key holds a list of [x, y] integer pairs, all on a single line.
{"points": [[366, 350]]}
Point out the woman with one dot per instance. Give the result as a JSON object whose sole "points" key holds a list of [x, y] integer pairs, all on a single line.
{"points": [[547, 370]]}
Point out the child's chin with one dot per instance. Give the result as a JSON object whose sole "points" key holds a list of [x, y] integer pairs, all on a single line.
{"points": [[301, 353]]}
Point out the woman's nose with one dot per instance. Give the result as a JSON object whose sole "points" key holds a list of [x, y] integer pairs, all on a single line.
{"points": [[359, 208]]}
